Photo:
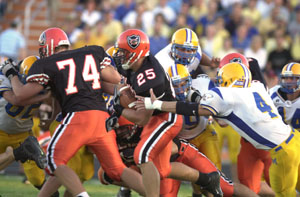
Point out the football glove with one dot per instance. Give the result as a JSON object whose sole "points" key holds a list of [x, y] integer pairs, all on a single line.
{"points": [[194, 96], [8, 68], [115, 108], [31, 150], [111, 123]]}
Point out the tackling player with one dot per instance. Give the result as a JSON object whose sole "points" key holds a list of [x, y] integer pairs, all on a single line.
{"points": [[16, 121], [74, 77], [250, 111]]}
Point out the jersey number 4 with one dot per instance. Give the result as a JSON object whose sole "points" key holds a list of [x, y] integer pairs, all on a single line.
{"points": [[262, 105], [89, 73]]}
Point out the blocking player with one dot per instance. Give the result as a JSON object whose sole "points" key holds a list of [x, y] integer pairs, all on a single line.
{"points": [[74, 77], [184, 49], [250, 111], [286, 97], [143, 72], [16, 121]]}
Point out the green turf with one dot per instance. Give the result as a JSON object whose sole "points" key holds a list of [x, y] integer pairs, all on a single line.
{"points": [[12, 186]]}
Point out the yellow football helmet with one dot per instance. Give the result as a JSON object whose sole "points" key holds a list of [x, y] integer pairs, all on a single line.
{"points": [[184, 46], [111, 51], [234, 75], [26, 64], [181, 80], [290, 78]]}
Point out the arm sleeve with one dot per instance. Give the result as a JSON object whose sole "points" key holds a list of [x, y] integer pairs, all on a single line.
{"points": [[4, 84], [36, 74], [255, 71], [214, 102]]}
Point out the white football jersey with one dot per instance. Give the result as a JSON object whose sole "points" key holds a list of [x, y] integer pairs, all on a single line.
{"points": [[14, 119], [166, 60], [289, 110], [251, 112], [194, 126]]}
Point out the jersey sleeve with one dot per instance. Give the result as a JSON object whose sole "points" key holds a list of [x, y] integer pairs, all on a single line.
{"points": [[4, 84], [104, 59], [36, 74], [214, 102]]}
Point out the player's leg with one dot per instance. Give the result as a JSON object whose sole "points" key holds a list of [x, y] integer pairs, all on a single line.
{"points": [[207, 143], [250, 167], [158, 133], [6, 158], [285, 164], [106, 149]]}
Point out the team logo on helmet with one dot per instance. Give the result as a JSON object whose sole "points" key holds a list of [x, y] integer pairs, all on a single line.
{"points": [[236, 59], [133, 41], [42, 39]]}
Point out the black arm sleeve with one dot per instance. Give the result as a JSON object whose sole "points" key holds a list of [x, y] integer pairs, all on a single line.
{"points": [[188, 109], [255, 71]]}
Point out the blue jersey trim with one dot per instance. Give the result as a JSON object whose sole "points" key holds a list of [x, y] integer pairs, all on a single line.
{"points": [[249, 131], [273, 95], [210, 108], [211, 85], [216, 90]]}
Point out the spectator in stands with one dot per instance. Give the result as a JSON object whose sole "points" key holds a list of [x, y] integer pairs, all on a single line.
{"points": [[269, 24], [124, 9], [296, 48], [90, 16], [198, 9], [3, 5], [252, 30], [190, 22], [140, 16], [112, 27], [85, 38], [294, 26], [167, 11], [210, 17], [220, 28], [235, 18], [257, 51], [71, 27], [265, 7], [240, 40], [165, 29], [227, 48], [157, 40], [211, 44], [250, 11], [12, 43], [278, 57], [98, 37]]}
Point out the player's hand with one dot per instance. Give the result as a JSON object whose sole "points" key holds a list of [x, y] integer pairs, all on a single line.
{"points": [[194, 96], [148, 102], [111, 123], [115, 107], [8, 68], [215, 62]]}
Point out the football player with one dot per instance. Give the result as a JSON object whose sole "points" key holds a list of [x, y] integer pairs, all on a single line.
{"points": [[16, 120], [74, 77], [252, 163], [248, 108], [286, 97], [143, 72], [184, 49]]}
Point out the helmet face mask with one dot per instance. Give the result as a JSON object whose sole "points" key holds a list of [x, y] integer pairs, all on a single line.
{"points": [[234, 75], [131, 45], [184, 46], [50, 40], [290, 78], [181, 80]]}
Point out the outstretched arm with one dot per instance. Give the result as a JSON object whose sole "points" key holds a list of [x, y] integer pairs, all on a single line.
{"points": [[10, 97]]}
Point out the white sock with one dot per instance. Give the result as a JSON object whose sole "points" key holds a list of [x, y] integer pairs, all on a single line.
{"points": [[83, 194]]}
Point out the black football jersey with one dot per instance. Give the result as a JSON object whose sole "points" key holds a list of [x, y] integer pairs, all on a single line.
{"points": [[151, 75], [74, 77]]}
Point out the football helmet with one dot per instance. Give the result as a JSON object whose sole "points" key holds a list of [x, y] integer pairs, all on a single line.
{"points": [[234, 75], [25, 66], [184, 46], [111, 51], [181, 80], [234, 57], [131, 45], [290, 78], [50, 39]]}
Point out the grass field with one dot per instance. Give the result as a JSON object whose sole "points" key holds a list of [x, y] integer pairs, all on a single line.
{"points": [[12, 186]]}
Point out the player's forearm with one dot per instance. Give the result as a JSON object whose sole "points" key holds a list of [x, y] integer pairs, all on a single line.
{"points": [[140, 118], [24, 92], [205, 60]]}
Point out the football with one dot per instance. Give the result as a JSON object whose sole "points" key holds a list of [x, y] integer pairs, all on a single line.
{"points": [[127, 96]]}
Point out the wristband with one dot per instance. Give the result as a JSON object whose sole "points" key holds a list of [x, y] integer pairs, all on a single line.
{"points": [[11, 73], [188, 109], [155, 105]]}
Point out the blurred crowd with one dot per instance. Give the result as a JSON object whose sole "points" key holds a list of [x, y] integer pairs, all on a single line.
{"points": [[268, 30]]}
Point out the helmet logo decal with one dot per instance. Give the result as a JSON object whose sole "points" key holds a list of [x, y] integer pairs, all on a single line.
{"points": [[236, 59], [42, 39], [133, 41]]}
